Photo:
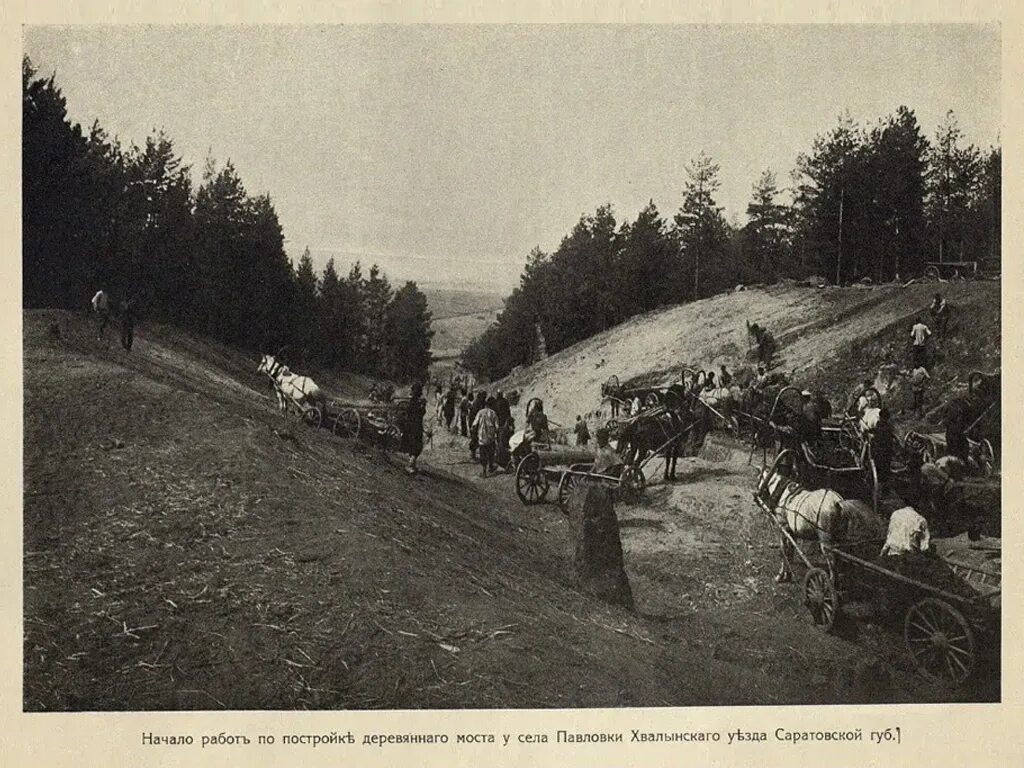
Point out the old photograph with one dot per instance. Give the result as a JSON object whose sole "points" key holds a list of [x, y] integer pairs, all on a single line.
{"points": [[479, 367]]}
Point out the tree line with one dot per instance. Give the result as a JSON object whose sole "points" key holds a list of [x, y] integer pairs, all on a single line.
{"points": [[209, 258], [876, 203]]}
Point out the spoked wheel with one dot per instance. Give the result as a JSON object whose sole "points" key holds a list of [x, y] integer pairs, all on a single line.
{"points": [[821, 598], [652, 399], [313, 416], [932, 273], [531, 482], [871, 481], [348, 423], [632, 483], [988, 458], [940, 641], [566, 486]]}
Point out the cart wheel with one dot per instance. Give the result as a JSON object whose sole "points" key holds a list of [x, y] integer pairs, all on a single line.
{"points": [[940, 641], [531, 482], [652, 399], [347, 423], [821, 598], [871, 478], [932, 273], [313, 417], [566, 486], [988, 458], [632, 482]]}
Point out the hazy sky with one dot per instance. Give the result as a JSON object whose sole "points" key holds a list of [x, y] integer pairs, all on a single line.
{"points": [[447, 153]]}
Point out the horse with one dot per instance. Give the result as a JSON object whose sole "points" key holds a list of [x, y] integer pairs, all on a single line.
{"points": [[302, 389], [675, 430], [821, 515]]}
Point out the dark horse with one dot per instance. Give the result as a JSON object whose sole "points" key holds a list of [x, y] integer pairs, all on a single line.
{"points": [[677, 428]]}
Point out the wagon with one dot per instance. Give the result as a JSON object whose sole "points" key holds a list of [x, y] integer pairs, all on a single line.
{"points": [[841, 460], [951, 270], [376, 423], [563, 468], [943, 624]]}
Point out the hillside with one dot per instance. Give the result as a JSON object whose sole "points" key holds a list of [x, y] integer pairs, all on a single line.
{"points": [[186, 547], [828, 339]]}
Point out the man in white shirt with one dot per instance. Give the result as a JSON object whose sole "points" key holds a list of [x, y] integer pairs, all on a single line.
{"points": [[908, 532], [919, 336], [101, 306], [485, 424]]}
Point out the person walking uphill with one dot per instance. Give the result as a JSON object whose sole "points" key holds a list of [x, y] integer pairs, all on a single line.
{"points": [[485, 430], [412, 426], [101, 306]]}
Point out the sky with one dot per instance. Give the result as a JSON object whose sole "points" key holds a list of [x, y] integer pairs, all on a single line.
{"points": [[446, 153]]}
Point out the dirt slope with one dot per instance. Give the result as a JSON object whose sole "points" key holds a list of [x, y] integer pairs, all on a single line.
{"points": [[827, 338], [187, 547]]}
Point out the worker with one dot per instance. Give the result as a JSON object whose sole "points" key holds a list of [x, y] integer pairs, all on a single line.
{"points": [[918, 383], [940, 314], [919, 340], [582, 431], [908, 532]]}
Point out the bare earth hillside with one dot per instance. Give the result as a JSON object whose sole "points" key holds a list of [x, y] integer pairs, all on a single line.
{"points": [[188, 548], [827, 339]]}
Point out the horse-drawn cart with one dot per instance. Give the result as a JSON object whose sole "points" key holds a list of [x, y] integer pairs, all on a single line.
{"points": [[947, 605], [563, 467]]}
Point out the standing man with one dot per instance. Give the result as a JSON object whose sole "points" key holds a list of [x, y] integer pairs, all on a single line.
{"points": [[412, 426], [502, 408], [918, 381], [883, 446], [101, 306], [127, 324], [464, 413], [582, 431], [485, 430], [919, 337]]}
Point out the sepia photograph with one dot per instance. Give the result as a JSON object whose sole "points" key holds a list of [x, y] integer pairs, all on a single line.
{"points": [[510, 367]]}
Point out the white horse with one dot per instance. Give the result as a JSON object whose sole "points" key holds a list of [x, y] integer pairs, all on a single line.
{"points": [[822, 515], [302, 389]]}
